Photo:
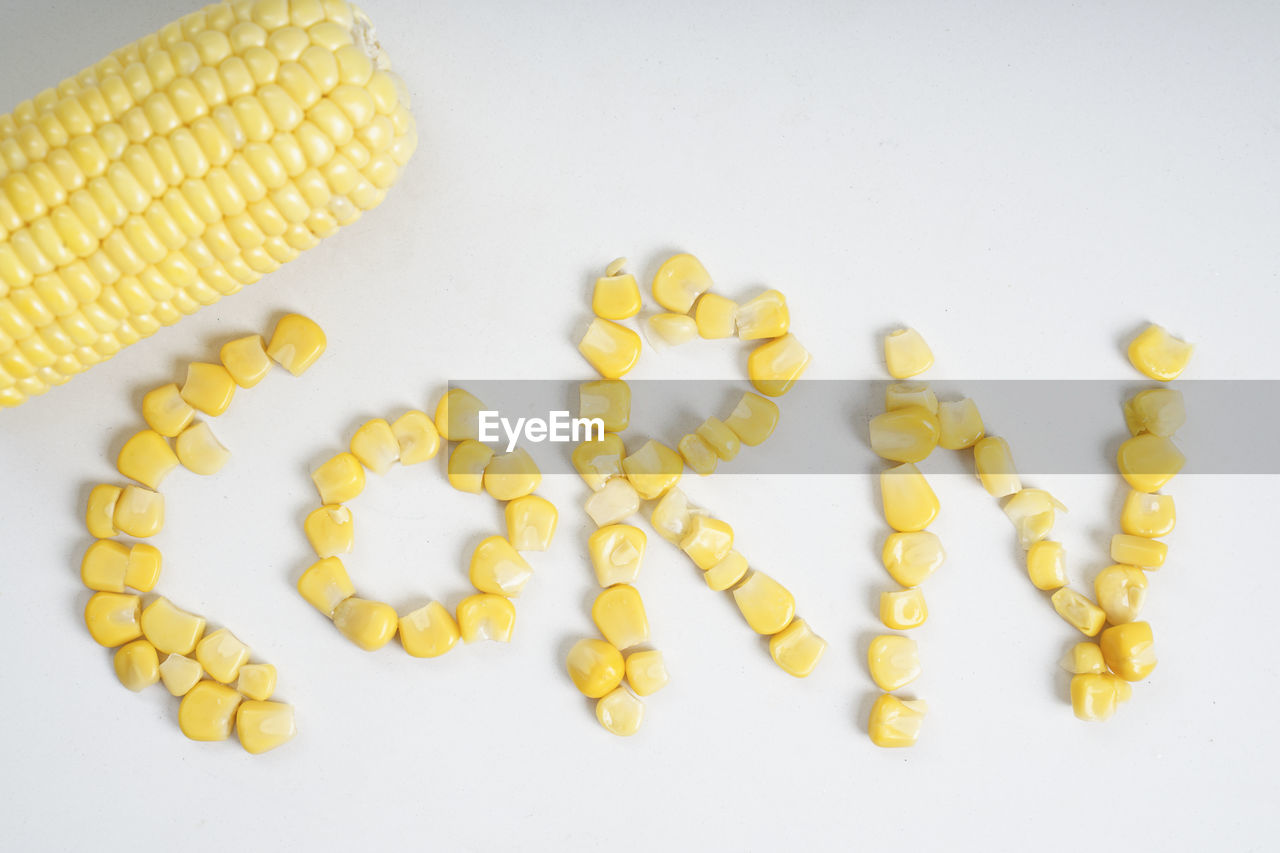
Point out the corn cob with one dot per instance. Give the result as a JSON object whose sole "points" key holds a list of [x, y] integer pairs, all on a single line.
{"points": [[181, 168]]}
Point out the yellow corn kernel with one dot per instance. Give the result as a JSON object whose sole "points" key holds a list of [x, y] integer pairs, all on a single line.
{"points": [[903, 609], [325, 585], [715, 316], [720, 438], [764, 316], [616, 552], [137, 665], [1047, 565], [457, 416], [994, 464], [775, 365], [894, 661], [199, 450], [1095, 696], [616, 296], [330, 529], [620, 712], [429, 631], [767, 605], [222, 655], [1129, 650], [619, 614], [467, 464], [375, 445], [903, 395], [646, 672], [147, 458], [486, 617], [143, 570], [104, 565], [165, 411], [1121, 591], [653, 469], [113, 618], [611, 349], [895, 722], [179, 674], [595, 667], [753, 419], [1147, 515], [296, 343], [1158, 354], [906, 354], [904, 435], [1032, 512], [673, 515], [139, 512], [911, 557], [246, 360], [1159, 411], [679, 281], [796, 648], [531, 523], [100, 510], [209, 388], [208, 711], [1084, 657], [708, 541], [498, 568], [598, 460], [671, 329], [909, 503], [1149, 461], [340, 479], [368, 624], [1138, 551], [1078, 611], [256, 681], [606, 399], [959, 424], [263, 726], [614, 502], [698, 455], [727, 573], [417, 436], [512, 475], [170, 629]]}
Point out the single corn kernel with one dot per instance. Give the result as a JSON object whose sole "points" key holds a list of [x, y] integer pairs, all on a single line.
{"points": [[1147, 515], [616, 551], [720, 438], [208, 711], [498, 568], [340, 479], [727, 573], [611, 349], [325, 585], [767, 605], [246, 360], [256, 681], [1129, 650], [512, 475], [222, 654], [143, 570], [595, 667], [1047, 565], [179, 674], [715, 316], [1094, 696], [1158, 354], [895, 722], [909, 503], [1121, 591], [904, 435], [616, 296], [113, 618], [165, 411], [137, 665], [671, 329], [1032, 512], [331, 530], [1138, 551], [199, 450], [614, 502], [368, 624], [679, 282], [647, 672], [100, 510], [698, 455], [910, 558], [458, 416], [429, 631], [606, 399], [620, 712], [1084, 657], [708, 541], [1078, 611], [1159, 411], [170, 629], [796, 648], [764, 316], [619, 614], [753, 419], [906, 354], [139, 512], [296, 343], [1149, 461], [903, 609], [673, 516], [417, 436], [104, 565], [959, 424], [263, 726], [775, 365], [599, 459], [653, 469], [903, 395], [466, 466], [531, 523], [994, 464], [147, 458], [894, 661], [375, 445], [209, 388], [486, 617]]}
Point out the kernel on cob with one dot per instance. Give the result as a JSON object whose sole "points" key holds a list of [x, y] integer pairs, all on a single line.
{"points": [[181, 168]]}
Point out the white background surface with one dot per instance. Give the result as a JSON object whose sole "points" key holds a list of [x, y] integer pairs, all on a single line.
{"points": [[1024, 182]]}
